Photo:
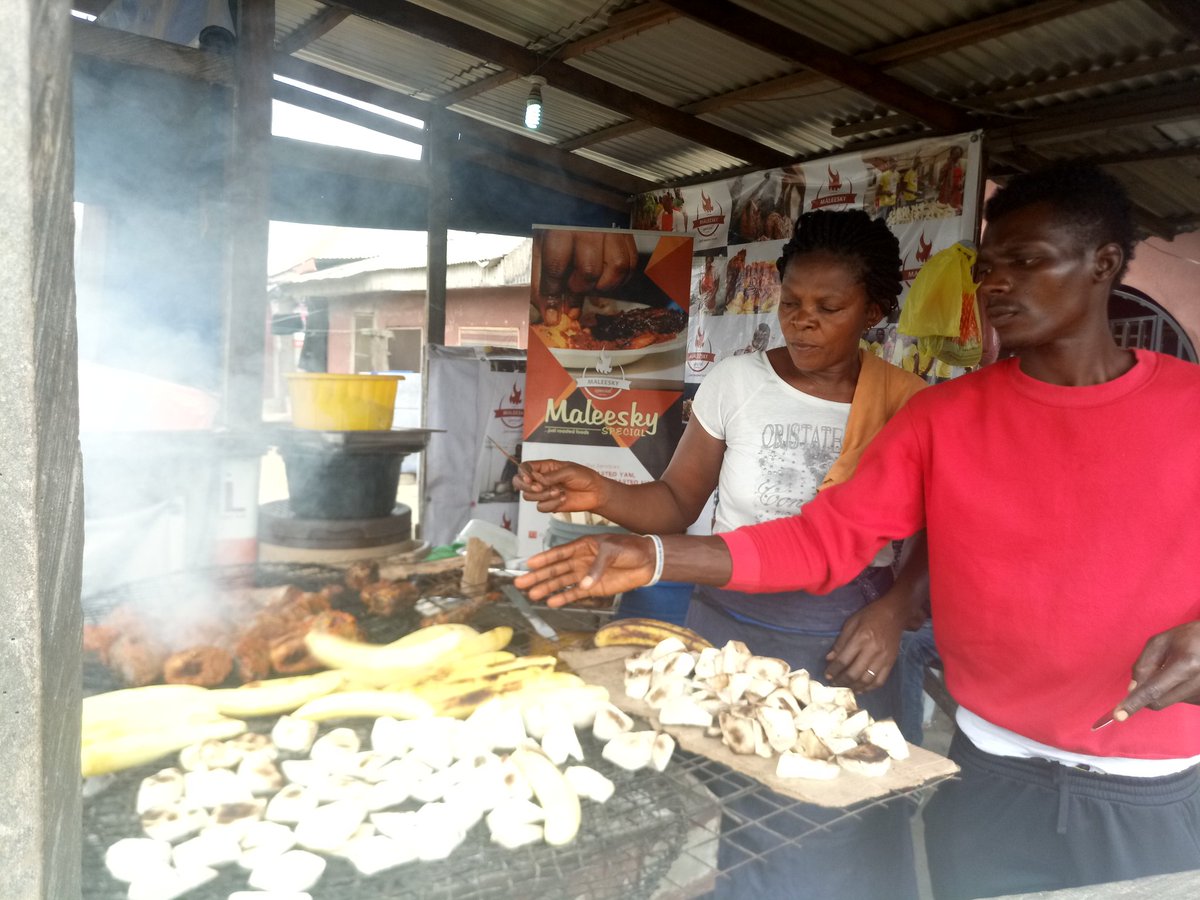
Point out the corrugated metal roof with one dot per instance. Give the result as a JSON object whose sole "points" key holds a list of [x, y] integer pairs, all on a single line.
{"points": [[1072, 53]]}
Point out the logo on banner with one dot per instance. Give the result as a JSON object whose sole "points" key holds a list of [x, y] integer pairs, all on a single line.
{"points": [[708, 217], [630, 424], [602, 384], [924, 249], [700, 355], [511, 412], [834, 192]]}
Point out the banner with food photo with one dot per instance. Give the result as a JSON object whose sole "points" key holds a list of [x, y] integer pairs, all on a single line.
{"points": [[927, 191], [607, 339], [628, 435]]}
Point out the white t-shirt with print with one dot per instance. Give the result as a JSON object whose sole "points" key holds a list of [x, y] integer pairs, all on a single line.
{"points": [[779, 441]]}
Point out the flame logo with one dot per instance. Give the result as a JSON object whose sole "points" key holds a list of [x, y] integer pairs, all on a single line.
{"points": [[505, 522], [515, 397], [706, 203], [604, 362], [835, 179], [926, 247], [700, 337]]}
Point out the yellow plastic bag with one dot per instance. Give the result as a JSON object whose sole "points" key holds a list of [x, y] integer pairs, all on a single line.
{"points": [[941, 310]]}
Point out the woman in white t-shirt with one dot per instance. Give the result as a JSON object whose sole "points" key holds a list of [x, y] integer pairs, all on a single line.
{"points": [[768, 431]]}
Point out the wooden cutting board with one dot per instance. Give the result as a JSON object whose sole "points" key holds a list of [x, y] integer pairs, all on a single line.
{"points": [[606, 666]]}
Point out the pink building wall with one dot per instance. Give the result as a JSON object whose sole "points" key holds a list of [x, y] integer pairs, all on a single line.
{"points": [[1169, 271]]}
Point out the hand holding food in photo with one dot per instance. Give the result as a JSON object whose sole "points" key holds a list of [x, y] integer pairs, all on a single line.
{"points": [[574, 264]]}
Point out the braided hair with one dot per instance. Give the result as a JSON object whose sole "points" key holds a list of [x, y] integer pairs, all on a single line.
{"points": [[1085, 198], [867, 245]]}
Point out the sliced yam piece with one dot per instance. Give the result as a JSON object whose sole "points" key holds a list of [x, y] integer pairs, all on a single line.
{"points": [[779, 727], [661, 750], [708, 662], [630, 751], [378, 853], [238, 818], [737, 732], [799, 685], [328, 827], [769, 668], [129, 857], [808, 744], [667, 646], [797, 765], [886, 734], [335, 745], [209, 788], [865, 759], [259, 775], [734, 656], [637, 685], [175, 822], [291, 804], [210, 754], [679, 664], [610, 722], [854, 725], [209, 848], [589, 783], [295, 870], [294, 735], [561, 743], [684, 711], [169, 883], [160, 789], [264, 840], [665, 690]]}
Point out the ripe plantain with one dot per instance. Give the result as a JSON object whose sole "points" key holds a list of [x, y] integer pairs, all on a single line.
{"points": [[636, 632]]}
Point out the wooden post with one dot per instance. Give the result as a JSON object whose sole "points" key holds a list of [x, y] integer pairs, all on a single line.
{"points": [[41, 528], [248, 190], [438, 146]]}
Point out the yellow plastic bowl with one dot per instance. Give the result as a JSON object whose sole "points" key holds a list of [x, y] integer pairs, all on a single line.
{"points": [[325, 402]]}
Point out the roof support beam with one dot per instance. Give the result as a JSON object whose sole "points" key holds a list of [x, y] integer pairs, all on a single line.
{"points": [[921, 47], [142, 52], [1076, 81], [1183, 14], [1076, 120], [316, 27], [476, 42], [841, 67]]}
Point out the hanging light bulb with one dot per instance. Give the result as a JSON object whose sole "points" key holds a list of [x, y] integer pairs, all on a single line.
{"points": [[533, 106]]}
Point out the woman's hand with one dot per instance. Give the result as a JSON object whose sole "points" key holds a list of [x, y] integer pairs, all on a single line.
{"points": [[558, 486], [589, 567], [865, 652]]}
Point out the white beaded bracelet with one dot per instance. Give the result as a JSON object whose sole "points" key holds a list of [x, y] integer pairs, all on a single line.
{"points": [[658, 559]]}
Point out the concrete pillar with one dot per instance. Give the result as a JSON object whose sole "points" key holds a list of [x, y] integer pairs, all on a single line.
{"points": [[41, 499]]}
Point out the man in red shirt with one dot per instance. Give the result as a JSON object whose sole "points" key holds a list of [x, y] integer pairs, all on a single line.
{"points": [[1058, 490]]}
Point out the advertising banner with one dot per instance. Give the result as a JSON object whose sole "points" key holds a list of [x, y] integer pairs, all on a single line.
{"points": [[476, 403], [605, 370], [926, 191]]}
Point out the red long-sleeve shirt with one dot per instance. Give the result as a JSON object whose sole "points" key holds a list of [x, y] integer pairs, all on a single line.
{"points": [[1064, 531]]}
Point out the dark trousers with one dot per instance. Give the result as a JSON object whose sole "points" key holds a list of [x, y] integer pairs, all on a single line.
{"points": [[775, 848], [1014, 826]]}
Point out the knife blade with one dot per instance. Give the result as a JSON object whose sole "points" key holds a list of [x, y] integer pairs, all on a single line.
{"points": [[1106, 719], [525, 608]]}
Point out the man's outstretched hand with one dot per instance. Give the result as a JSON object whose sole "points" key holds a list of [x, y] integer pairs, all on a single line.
{"points": [[589, 567]]}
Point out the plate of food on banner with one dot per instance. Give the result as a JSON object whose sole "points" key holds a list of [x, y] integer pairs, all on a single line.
{"points": [[605, 331]]}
